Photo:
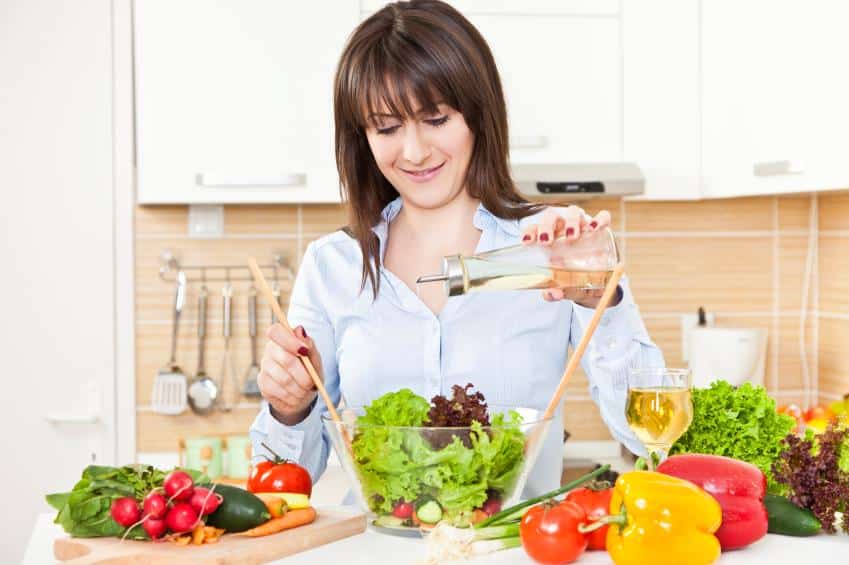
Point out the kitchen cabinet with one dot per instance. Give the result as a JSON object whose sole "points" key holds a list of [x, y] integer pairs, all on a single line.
{"points": [[661, 96], [774, 98], [234, 99]]}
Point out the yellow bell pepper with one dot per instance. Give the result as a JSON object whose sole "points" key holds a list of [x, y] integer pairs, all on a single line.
{"points": [[662, 520]]}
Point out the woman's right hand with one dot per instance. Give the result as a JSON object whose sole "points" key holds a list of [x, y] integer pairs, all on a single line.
{"points": [[283, 380]]}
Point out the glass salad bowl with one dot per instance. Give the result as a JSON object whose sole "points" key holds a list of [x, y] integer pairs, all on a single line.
{"points": [[409, 478]]}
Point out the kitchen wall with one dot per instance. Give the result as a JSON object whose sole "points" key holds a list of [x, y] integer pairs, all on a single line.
{"points": [[742, 259], [833, 381]]}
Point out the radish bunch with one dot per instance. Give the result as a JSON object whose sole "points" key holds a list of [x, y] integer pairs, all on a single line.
{"points": [[180, 512]]}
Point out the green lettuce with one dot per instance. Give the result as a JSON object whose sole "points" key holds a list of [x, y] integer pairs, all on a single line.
{"points": [[736, 422], [396, 464]]}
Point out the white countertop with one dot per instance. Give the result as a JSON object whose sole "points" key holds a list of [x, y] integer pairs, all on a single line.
{"points": [[373, 548]]}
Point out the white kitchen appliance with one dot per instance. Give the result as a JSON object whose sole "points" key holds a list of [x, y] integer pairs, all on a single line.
{"points": [[736, 355]]}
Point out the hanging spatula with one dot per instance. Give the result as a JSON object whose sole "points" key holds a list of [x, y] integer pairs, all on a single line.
{"points": [[169, 388], [250, 388]]}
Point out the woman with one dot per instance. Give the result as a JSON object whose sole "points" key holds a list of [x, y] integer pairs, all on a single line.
{"points": [[421, 148]]}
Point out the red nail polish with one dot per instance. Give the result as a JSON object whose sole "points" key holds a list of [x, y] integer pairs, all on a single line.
{"points": [[304, 331], [543, 237], [526, 237], [303, 351], [593, 224], [569, 231]]}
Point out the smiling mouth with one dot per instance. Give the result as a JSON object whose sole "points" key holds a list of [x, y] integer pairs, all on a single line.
{"points": [[424, 172]]}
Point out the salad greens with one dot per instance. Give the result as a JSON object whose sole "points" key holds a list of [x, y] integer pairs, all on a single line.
{"points": [[84, 512], [460, 470], [736, 422]]}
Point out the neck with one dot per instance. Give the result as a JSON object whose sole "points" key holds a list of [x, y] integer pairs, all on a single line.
{"points": [[440, 229]]}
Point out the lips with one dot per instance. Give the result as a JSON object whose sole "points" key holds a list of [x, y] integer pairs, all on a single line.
{"points": [[423, 175]]}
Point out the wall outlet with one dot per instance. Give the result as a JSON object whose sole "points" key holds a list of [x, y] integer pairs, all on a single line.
{"points": [[206, 221], [688, 322]]}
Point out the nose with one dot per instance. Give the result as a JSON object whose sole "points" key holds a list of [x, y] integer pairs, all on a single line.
{"points": [[416, 150]]}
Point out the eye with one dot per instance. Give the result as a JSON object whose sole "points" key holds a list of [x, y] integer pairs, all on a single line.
{"points": [[436, 122], [387, 130]]}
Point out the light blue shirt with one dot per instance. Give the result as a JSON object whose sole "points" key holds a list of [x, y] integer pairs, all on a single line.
{"points": [[511, 345]]}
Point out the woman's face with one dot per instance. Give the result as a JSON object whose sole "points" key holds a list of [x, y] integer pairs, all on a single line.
{"points": [[425, 158]]}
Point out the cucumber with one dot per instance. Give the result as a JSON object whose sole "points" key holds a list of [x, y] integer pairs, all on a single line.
{"points": [[787, 519], [429, 512], [390, 521], [239, 512]]}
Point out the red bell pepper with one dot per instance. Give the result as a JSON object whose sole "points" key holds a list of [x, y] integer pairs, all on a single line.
{"points": [[739, 487]]}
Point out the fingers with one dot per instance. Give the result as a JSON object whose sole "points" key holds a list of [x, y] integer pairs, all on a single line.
{"points": [[283, 377], [568, 222], [529, 235], [284, 338]]}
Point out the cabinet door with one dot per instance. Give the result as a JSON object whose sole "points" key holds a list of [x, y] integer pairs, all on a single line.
{"points": [[773, 96], [661, 96], [562, 79], [234, 99]]}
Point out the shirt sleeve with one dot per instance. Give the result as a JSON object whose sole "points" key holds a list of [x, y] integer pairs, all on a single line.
{"points": [[305, 442], [620, 343]]}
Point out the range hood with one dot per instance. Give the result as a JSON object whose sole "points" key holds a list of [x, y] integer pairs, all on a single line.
{"points": [[577, 181]]}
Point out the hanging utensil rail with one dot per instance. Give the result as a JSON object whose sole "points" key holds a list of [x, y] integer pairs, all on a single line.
{"points": [[278, 269]]}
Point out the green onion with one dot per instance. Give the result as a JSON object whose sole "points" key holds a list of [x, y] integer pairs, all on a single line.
{"points": [[447, 543], [515, 512]]}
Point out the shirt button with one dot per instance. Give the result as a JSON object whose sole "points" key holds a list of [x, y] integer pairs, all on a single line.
{"points": [[611, 343], [605, 321]]}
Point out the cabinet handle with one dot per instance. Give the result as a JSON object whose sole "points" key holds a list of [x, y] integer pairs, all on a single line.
{"points": [[778, 168], [71, 419], [528, 142], [223, 180]]}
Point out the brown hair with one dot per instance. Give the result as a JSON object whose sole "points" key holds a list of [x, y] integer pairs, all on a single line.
{"points": [[422, 50]]}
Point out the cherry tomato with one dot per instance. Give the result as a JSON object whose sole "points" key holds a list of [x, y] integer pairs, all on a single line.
{"points": [[819, 413], [794, 412], [403, 510], [596, 504], [549, 532]]}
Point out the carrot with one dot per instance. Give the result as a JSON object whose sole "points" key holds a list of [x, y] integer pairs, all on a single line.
{"points": [[292, 519], [277, 507]]}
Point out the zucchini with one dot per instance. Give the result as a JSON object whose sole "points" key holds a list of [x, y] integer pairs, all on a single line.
{"points": [[240, 511], [787, 519], [429, 512]]}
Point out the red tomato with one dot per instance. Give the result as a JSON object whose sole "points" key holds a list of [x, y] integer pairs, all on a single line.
{"points": [[256, 474], [819, 413], [549, 532], [596, 504], [286, 477]]}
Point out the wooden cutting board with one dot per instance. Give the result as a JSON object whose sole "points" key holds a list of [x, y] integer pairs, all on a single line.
{"points": [[330, 525]]}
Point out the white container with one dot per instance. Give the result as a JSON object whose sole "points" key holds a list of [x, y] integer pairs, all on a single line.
{"points": [[736, 355]]}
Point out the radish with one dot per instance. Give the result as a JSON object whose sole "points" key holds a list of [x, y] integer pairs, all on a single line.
{"points": [[492, 506], [178, 485], [125, 511], [155, 506], [154, 528], [204, 501], [181, 518]]}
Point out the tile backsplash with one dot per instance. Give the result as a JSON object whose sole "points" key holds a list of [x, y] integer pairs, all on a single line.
{"points": [[742, 259]]}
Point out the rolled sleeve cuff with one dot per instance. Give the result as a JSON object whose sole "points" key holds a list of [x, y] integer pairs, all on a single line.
{"points": [[618, 325], [288, 441]]}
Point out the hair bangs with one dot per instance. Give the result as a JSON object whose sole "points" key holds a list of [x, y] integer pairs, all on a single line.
{"points": [[398, 81]]}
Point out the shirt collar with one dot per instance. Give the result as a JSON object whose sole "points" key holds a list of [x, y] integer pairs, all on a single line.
{"points": [[484, 220]]}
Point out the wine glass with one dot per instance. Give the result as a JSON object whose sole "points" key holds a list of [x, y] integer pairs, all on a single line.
{"points": [[660, 408]]}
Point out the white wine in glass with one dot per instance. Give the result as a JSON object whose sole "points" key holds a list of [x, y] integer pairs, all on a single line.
{"points": [[659, 408]]}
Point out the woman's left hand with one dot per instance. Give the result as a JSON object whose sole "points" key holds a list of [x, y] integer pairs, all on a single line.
{"points": [[571, 222]]}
